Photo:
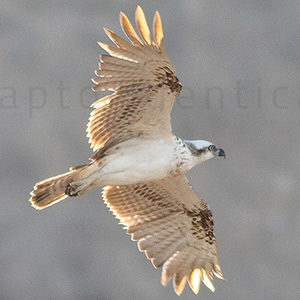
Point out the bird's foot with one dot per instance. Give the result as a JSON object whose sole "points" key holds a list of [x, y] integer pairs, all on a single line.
{"points": [[72, 190]]}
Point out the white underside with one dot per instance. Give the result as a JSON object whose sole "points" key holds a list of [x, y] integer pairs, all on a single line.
{"points": [[136, 161]]}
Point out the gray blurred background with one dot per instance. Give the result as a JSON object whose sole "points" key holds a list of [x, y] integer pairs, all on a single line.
{"points": [[239, 63]]}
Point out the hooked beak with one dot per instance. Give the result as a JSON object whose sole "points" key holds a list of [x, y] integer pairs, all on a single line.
{"points": [[220, 152]]}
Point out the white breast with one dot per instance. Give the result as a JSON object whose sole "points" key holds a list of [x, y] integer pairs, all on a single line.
{"points": [[139, 160]]}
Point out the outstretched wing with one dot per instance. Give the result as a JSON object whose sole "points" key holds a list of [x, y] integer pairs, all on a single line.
{"points": [[172, 225], [144, 83]]}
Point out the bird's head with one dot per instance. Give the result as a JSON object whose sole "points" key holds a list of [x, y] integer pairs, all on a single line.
{"points": [[204, 150]]}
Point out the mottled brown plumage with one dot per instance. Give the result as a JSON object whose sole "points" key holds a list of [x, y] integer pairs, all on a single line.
{"points": [[172, 225]]}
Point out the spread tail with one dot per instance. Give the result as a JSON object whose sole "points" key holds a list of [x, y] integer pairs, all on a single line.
{"points": [[54, 189]]}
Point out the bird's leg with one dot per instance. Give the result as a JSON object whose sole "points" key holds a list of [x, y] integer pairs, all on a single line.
{"points": [[77, 188]]}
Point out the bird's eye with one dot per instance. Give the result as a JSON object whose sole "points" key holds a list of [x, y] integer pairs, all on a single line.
{"points": [[211, 147]]}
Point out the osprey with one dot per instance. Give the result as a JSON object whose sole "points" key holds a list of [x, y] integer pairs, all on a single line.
{"points": [[140, 163]]}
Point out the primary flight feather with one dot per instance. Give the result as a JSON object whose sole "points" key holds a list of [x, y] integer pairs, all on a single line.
{"points": [[141, 163]]}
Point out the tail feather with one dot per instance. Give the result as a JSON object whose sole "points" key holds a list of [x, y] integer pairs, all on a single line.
{"points": [[53, 190]]}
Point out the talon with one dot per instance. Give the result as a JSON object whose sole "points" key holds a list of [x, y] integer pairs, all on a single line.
{"points": [[70, 191]]}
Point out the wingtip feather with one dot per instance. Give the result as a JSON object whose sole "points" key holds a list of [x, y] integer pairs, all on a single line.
{"points": [[179, 284], [158, 29], [195, 280], [207, 281], [142, 25], [128, 30]]}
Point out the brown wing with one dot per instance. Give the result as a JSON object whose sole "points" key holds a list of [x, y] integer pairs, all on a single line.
{"points": [[144, 83], [172, 225]]}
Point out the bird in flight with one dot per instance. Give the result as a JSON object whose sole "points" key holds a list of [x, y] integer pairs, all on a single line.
{"points": [[139, 161]]}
